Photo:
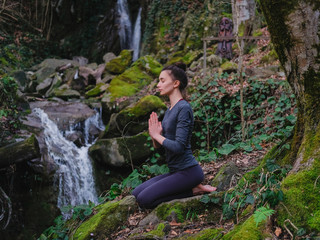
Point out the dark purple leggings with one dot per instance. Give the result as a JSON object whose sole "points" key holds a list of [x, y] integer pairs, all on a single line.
{"points": [[168, 186]]}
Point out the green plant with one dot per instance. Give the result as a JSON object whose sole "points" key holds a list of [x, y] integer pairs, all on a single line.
{"points": [[269, 115], [261, 214]]}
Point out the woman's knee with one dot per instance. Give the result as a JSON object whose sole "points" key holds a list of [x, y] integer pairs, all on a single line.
{"points": [[145, 201]]}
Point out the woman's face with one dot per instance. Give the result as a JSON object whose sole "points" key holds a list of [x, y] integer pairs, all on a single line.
{"points": [[166, 84]]}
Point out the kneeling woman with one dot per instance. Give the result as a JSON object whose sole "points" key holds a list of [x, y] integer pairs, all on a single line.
{"points": [[174, 134]]}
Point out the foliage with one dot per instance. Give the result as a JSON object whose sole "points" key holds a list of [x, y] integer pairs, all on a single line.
{"points": [[258, 192], [268, 112], [261, 214], [10, 111]]}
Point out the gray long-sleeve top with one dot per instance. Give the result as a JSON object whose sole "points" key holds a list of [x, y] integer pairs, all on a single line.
{"points": [[177, 126]]}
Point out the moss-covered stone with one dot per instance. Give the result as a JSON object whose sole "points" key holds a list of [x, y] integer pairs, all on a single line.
{"points": [[99, 89], [65, 93], [302, 199], [149, 64], [247, 230], [182, 208], [206, 234], [119, 64], [185, 57], [108, 218], [229, 67], [122, 151], [133, 119]]}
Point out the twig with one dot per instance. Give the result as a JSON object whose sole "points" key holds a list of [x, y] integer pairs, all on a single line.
{"points": [[315, 183], [285, 226]]}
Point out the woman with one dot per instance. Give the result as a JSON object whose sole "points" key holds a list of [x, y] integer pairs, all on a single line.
{"points": [[174, 134]]}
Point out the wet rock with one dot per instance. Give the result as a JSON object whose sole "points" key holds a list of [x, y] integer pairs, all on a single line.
{"points": [[119, 152], [64, 92]]}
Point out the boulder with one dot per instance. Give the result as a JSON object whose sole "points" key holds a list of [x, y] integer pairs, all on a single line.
{"points": [[99, 89], [20, 151], [119, 64], [229, 67], [119, 152], [133, 119], [62, 113], [107, 219], [21, 79], [108, 57], [46, 68], [223, 179], [262, 72], [44, 86], [64, 92]]}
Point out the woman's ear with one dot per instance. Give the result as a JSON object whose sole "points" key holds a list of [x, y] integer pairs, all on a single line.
{"points": [[176, 84]]}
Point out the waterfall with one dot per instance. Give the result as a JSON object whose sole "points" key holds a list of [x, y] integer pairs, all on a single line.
{"points": [[135, 45], [125, 31], [74, 170]]}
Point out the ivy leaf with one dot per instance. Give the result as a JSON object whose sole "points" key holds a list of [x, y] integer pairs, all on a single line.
{"points": [[226, 149], [261, 214], [205, 199]]}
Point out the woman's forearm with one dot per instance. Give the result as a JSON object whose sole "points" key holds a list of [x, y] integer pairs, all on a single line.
{"points": [[156, 144]]}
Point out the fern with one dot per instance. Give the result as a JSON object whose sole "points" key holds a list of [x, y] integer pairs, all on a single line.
{"points": [[261, 214]]}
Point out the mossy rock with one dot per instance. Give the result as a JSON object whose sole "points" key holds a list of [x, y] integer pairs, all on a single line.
{"points": [[206, 234], [99, 89], [186, 58], [65, 93], [109, 217], [119, 64], [181, 208], [302, 199], [133, 119], [223, 178], [149, 64], [229, 67], [122, 151], [248, 230], [158, 233]]}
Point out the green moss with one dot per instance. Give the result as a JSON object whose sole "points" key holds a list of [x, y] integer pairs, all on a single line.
{"points": [[129, 82], [229, 66], [181, 56], [149, 64], [165, 210], [206, 234], [96, 91], [158, 231], [247, 230], [119, 64], [302, 199], [144, 106]]}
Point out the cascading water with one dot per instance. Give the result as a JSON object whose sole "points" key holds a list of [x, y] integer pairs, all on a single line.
{"points": [[125, 31], [74, 173], [135, 45]]}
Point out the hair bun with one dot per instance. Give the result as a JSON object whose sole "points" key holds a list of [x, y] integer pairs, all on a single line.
{"points": [[181, 65]]}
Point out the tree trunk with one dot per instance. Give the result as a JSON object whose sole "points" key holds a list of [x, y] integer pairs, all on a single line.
{"points": [[294, 29], [293, 26]]}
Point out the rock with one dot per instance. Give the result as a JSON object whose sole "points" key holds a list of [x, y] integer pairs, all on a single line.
{"points": [[99, 89], [81, 60], [229, 67], [63, 114], [108, 217], [44, 86], [21, 79], [108, 57], [119, 64], [185, 57], [119, 152], [64, 92], [19, 152], [223, 178], [150, 219], [56, 82], [133, 119], [149, 64], [46, 68], [92, 75], [262, 72]]}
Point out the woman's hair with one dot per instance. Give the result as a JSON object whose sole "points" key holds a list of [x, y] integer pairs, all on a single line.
{"points": [[178, 72]]}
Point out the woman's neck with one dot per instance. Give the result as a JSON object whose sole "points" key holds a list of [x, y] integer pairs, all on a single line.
{"points": [[174, 98]]}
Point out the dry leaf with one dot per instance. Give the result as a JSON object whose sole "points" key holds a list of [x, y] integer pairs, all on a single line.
{"points": [[278, 231]]}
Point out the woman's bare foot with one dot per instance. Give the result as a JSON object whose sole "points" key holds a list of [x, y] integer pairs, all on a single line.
{"points": [[201, 189]]}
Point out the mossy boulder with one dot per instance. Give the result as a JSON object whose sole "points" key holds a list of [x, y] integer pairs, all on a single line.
{"points": [[159, 232], [248, 230], [119, 64], [229, 67], [108, 218], [301, 198], [121, 151], [99, 89], [185, 57], [133, 119], [206, 234], [180, 208], [149, 64]]}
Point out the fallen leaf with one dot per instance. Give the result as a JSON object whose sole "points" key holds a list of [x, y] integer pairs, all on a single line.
{"points": [[278, 231]]}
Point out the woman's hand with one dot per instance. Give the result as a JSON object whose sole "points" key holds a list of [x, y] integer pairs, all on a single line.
{"points": [[155, 127]]}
